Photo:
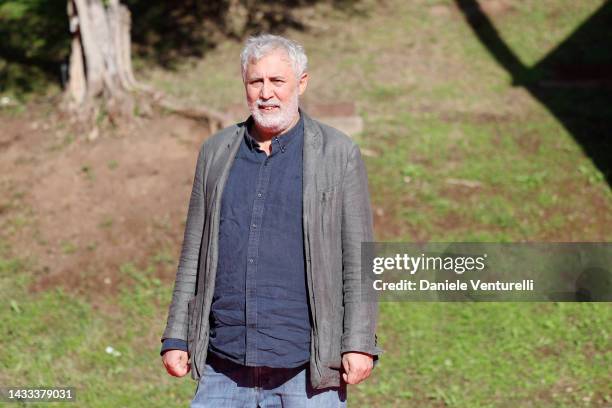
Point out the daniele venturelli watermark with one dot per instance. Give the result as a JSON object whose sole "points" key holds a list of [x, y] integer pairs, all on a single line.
{"points": [[487, 271], [456, 264]]}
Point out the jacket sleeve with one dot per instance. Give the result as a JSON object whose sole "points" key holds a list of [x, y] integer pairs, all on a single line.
{"points": [[360, 313], [186, 276], [173, 344]]}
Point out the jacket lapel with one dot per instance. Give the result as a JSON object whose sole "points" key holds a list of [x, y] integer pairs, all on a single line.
{"points": [[310, 158], [220, 169]]}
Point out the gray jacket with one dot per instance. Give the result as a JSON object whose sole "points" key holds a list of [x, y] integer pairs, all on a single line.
{"points": [[336, 217]]}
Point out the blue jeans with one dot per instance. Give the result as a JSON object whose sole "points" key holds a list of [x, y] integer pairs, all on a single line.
{"points": [[225, 384]]}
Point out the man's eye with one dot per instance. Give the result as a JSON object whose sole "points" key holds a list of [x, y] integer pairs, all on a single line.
{"points": [[278, 81]]}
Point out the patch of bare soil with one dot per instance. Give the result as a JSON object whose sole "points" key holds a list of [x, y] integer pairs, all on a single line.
{"points": [[490, 7], [388, 215], [83, 209]]}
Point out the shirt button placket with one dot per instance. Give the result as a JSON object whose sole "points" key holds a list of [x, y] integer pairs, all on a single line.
{"points": [[263, 179]]}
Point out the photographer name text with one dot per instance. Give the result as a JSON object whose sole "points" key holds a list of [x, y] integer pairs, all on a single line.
{"points": [[457, 264], [457, 285]]}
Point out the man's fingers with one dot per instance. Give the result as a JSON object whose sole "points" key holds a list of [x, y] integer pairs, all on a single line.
{"points": [[176, 362], [357, 367], [349, 370], [346, 365], [351, 375], [357, 374], [178, 370]]}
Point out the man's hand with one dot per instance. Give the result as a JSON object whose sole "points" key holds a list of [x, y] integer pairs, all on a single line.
{"points": [[176, 362], [357, 367]]}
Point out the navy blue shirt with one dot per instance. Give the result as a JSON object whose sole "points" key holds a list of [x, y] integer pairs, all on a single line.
{"points": [[259, 314]]}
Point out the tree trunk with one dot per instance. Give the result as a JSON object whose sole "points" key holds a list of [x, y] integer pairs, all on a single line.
{"points": [[101, 76], [100, 60]]}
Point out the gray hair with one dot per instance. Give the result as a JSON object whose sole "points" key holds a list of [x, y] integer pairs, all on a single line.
{"points": [[259, 46]]}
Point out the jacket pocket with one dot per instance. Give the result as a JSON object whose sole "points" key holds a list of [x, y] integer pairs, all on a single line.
{"points": [[327, 195], [328, 208]]}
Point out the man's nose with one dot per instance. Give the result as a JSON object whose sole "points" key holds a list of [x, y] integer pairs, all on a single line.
{"points": [[266, 90]]}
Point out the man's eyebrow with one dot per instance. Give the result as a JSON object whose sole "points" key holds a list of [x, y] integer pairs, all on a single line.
{"points": [[272, 77]]}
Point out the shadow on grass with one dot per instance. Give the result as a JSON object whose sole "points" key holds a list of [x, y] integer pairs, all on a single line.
{"points": [[574, 81]]}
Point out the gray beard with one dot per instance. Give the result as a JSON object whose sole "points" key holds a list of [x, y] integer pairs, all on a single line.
{"points": [[276, 122]]}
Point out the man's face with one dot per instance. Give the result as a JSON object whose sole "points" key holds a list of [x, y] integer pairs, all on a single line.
{"points": [[272, 91]]}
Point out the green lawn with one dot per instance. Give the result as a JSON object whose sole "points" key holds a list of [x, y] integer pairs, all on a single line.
{"points": [[437, 354]]}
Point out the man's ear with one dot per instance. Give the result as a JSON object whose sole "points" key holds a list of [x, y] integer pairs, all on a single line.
{"points": [[303, 82]]}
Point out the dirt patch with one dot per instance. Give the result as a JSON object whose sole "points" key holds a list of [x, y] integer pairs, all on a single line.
{"points": [[476, 116], [491, 8], [549, 351], [92, 207], [529, 143], [590, 225], [495, 7], [390, 223]]}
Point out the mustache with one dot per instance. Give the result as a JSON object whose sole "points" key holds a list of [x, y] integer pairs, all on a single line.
{"points": [[267, 104]]}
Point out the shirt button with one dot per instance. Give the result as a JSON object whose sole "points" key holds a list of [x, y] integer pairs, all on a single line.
{"points": [[254, 226], [258, 194], [250, 260]]}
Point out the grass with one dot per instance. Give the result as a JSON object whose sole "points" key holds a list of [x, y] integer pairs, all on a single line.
{"points": [[492, 355], [456, 355], [112, 164], [106, 222], [437, 108], [68, 247], [88, 172], [75, 355]]}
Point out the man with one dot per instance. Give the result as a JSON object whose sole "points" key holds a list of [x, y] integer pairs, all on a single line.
{"points": [[267, 307]]}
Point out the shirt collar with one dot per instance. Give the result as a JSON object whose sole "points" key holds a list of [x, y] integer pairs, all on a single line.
{"points": [[278, 142]]}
